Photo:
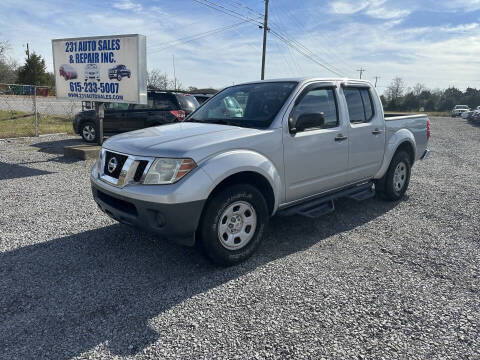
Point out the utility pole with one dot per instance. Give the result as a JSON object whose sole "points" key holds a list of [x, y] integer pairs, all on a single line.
{"points": [[28, 52], [361, 71], [265, 29], [376, 80], [174, 74]]}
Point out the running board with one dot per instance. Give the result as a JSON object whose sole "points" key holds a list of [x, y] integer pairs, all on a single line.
{"points": [[325, 205], [362, 195]]}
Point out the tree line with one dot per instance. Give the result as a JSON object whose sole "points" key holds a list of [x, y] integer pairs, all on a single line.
{"points": [[398, 97], [32, 72]]}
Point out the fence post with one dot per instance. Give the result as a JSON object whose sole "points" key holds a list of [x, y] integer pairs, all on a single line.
{"points": [[35, 114]]}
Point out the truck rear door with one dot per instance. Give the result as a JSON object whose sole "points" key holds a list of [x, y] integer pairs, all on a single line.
{"points": [[316, 159], [366, 133]]}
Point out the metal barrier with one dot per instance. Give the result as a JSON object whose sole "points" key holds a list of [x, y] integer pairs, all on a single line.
{"points": [[29, 110]]}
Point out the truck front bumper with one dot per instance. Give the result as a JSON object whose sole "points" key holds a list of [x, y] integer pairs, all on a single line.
{"points": [[177, 222]]}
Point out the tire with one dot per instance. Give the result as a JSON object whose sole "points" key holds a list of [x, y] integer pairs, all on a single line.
{"points": [[88, 132], [395, 182], [233, 224], [119, 77]]}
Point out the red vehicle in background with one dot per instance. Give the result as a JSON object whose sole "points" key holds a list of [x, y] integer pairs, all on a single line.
{"points": [[68, 72]]}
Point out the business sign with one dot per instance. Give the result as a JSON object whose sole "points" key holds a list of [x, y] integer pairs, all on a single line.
{"points": [[102, 68]]}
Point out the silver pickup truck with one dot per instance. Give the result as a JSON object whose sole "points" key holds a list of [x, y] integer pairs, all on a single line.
{"points": [[255, 150]]}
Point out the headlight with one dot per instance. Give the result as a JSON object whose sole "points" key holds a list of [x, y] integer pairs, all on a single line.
{"points": [[168, 171]]}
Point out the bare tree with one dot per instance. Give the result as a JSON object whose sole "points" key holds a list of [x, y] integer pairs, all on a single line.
{"points": [[396, 89], [4, 46], [158, 80], [8, 66], [418, 89]]}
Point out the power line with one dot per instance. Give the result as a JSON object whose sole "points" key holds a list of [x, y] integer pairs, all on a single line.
{"points": [[227, 11], [309, 56], [242, 5], [292, 43], [330, 54], [311, 53], [191, 38]]}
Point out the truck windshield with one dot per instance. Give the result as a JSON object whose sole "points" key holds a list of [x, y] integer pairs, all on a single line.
{"points": [[250, 105]]}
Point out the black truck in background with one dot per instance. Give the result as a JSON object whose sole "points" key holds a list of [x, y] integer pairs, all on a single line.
{"points": [[163, 107]]}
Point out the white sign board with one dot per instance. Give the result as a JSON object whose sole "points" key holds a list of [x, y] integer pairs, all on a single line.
{"points": [[103, 68]]}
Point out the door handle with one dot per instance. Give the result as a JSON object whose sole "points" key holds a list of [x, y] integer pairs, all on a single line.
{"points": [[340, 137], [376, 131]]}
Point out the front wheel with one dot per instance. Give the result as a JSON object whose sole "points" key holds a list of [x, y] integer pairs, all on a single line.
{"points": [[88, 132], [395, 182], [119, 77], [233, 223]]}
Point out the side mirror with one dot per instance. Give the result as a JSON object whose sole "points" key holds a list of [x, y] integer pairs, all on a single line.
{"points": [[305, 121]]}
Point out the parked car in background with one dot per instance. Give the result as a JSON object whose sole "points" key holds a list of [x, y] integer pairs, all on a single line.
{"points": [[458, 110], [163, 107], [92, 72], [475, 117], [201, 98], [68, 72], [118, 72], [296, 146]]}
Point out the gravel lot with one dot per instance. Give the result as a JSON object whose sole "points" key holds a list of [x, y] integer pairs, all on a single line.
{"points": [[372, 280]]}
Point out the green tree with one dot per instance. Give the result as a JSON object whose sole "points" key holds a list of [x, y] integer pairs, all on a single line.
{"points": [[411, 102], [34, 72]]}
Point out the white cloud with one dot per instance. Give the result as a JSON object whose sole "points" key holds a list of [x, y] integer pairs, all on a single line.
{"points": [[379, 9], [348, 7], [127, 5]]}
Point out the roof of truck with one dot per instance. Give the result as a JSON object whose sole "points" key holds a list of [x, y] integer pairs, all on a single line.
{"points": [[308, 79]]}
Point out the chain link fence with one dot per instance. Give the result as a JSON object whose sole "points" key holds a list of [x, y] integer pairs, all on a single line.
{"points": [[28, 110]]}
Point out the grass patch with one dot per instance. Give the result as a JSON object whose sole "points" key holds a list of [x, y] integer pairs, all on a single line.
{"points": [[18, 123]]}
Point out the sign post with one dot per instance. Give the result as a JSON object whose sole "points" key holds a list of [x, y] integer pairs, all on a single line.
{"points": [[100, 110], [101, 69]]}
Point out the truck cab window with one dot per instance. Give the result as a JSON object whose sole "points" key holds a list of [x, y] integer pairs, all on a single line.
{"points": [[319, 101], [359, 102]]}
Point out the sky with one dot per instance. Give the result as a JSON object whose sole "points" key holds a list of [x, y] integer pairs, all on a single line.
{"points": [[433, 42]]}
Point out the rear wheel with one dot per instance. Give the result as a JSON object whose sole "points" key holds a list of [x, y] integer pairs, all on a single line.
{"points": [[88, 132], [395, 182], [233, 223]]}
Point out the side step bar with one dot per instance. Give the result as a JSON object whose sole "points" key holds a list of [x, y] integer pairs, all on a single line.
{"points": [[324, 205]]}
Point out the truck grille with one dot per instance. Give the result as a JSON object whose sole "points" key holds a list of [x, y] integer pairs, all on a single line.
{"points": [[114, 164]]}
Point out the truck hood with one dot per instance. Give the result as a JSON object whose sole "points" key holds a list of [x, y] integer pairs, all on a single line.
{"points": [[192, 140]]}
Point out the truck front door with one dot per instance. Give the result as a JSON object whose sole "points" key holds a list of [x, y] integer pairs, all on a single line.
{"points": [[366, 133], [316, 159]]}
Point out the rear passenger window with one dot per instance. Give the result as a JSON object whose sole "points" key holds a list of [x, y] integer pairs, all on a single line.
{"points": [[319, 101], [164, 103], [360, 106]]}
